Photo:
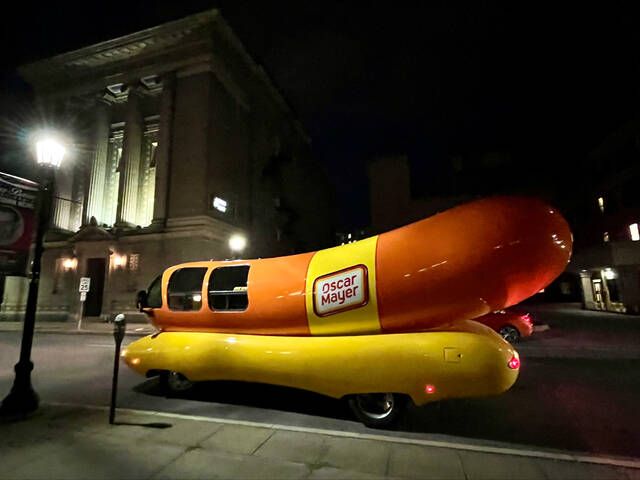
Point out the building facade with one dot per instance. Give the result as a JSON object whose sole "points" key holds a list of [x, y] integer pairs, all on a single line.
{"points": [[607, 250], [179, 140]]}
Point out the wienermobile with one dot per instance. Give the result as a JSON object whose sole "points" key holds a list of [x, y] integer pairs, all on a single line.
{"points": [[378, 322]]}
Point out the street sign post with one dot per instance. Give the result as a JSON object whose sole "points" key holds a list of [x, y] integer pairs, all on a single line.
{"points": [[85, 285]]}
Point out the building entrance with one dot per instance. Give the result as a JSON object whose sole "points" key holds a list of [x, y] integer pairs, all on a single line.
{"points": [[95, 271]]}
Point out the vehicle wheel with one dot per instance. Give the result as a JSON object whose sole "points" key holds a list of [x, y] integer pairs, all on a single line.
{"points": [[510, 334], [377, 410], [175, 382]]}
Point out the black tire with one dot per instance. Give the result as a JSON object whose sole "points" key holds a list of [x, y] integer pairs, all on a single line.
{"points": [[510, 333], [174, 383], [378, 410]]}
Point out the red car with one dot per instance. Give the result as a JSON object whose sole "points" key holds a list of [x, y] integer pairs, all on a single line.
{"points": [[510, 324]]}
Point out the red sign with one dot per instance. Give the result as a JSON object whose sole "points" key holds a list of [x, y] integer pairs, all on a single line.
{"points": [[17, 222]]}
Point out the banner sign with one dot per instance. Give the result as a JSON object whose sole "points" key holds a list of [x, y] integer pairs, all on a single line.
{"points": [[18, 198]]}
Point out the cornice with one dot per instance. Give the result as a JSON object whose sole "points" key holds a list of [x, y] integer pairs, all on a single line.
{"points": [[173, 46]]}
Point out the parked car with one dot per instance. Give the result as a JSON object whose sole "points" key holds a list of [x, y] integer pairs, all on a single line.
{"points": [[510, 324]]}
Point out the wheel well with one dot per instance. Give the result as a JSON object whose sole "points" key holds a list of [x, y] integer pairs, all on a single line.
{"points": [[155, 373]]}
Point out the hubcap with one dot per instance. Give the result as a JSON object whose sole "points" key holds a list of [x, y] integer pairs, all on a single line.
{"points": [[376, 405], [510, 334]]}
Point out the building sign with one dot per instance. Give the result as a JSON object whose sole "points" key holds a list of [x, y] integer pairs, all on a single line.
{"points": [[17, 223], [341, 291]]}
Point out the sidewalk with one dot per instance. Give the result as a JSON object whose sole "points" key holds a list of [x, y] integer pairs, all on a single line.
{"points": [[87, 327], [68, 442]]}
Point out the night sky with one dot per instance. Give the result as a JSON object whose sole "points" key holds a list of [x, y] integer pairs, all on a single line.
{"points": [[545, 83]]}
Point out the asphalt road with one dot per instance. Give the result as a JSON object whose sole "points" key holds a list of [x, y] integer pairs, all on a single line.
{"points": [[585, 405]]}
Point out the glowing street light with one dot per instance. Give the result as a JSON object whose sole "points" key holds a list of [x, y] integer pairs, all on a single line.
{"points": [[23, 400], [49, 151], [237, 243]]}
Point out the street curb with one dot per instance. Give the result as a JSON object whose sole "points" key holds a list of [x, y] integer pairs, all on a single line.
{"points": [[625, 462]]}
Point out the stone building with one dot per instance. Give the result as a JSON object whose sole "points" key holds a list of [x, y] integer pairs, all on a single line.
{"points": [[179, 141], [607, 211]]}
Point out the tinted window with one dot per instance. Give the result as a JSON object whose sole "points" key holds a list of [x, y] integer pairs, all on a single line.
{"points": [[185, 289], [228, 288], [154, 294]]}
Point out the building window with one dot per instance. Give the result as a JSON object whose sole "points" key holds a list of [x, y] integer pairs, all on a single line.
{"points": [[220, 204], [228, 288], [134, 262], [185, 289], [147, 177], [633, 230], [606, 237], [601, 204], [112, 178]]}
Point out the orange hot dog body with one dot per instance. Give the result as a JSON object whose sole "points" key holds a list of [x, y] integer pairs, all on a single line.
{"points": [[457, 265]]}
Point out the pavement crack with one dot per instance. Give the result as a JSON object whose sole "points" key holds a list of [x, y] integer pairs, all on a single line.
{"points": [[172, 461], [265, 441]]}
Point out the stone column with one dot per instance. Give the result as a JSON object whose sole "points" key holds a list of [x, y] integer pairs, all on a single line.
{"points": [[61, 205], [129, 167], [94, 197], [163, 154]]}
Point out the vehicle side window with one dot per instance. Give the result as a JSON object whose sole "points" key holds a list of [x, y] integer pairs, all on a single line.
{"points": [[154, 294], [185, 289], [228, 288]]}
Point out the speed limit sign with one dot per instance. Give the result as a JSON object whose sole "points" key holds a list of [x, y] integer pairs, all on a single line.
{"points": [[85, 283]]}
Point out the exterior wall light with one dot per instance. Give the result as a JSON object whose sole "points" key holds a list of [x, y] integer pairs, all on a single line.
{"points": [[69, 264], [118, 261]]}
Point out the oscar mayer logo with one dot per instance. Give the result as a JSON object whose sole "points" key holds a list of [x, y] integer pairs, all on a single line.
{"points": [[340, 291]]}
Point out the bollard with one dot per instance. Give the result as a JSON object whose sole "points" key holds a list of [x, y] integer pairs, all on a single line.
{"points": [[119, 326]]}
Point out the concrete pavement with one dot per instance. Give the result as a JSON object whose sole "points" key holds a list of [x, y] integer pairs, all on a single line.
{"points": [[68, 442], [87, 327]]}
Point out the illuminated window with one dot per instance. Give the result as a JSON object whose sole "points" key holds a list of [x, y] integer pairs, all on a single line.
{"points": [[633, 230], [601, 203], [220, 204], [606, 236], [228, 288]]}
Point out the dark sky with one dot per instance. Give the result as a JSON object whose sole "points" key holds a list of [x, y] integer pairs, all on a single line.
{"points": [[432, 79]]}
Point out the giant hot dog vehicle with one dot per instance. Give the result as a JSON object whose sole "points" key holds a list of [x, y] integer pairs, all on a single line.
{"points": [[377, 321]]}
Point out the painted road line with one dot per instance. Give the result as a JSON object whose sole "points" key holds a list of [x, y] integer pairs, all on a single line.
{"points": [[520, 452]]}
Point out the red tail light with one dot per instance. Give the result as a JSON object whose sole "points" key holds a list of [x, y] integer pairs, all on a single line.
{"points": [[514, 363], [526, 318], [430, 389]]}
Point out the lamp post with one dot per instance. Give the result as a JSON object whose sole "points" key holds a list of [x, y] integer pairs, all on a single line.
{"points": [[23, 400]]}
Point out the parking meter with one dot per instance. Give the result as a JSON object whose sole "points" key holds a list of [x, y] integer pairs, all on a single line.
{"points": [[119, 328], [119, 325]]}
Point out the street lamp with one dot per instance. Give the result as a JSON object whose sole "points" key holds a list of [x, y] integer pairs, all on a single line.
{"points": [[23, 400], [237, 244]]}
